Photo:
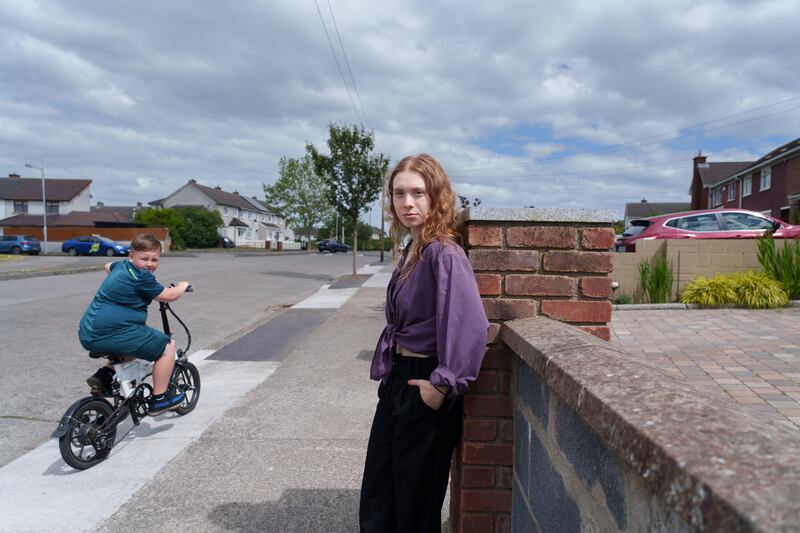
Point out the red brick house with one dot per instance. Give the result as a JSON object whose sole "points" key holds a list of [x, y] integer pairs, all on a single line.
{"points": [[707, 176], [770, 185]]}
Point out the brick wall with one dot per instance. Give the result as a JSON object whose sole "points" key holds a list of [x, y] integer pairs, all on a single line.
{"points": [[527, 262]]}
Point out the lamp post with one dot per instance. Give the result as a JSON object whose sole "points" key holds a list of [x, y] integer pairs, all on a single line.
{"points": [[44, 206]]}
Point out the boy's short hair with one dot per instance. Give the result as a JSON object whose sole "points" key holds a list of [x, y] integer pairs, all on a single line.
{"points": [[145, 243]]}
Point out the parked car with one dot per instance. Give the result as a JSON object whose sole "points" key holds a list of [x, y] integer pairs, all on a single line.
{"points": [[333, 246], [226, 242], [724, 223], [19, 244], [93, 245]]}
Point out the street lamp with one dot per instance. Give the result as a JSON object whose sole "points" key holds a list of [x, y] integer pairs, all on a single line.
{"points": [[44, 206]]}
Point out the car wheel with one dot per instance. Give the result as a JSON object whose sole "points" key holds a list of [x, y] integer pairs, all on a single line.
{"points": [[16, 250], [110, 252], [72, 251]]}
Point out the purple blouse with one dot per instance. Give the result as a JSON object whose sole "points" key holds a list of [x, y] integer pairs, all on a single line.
{"points": [[436, 311]]}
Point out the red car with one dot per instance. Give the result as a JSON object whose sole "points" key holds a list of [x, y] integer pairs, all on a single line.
{"points": [[706, 224]]}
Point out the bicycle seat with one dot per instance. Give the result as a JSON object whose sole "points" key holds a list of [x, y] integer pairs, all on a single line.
{"points": [[111, 356]]}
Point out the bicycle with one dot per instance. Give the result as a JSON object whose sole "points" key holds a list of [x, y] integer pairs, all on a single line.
{"points": [[87, 431]]}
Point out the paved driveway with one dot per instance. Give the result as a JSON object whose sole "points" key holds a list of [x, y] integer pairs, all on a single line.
{"points": [[752, 357]]}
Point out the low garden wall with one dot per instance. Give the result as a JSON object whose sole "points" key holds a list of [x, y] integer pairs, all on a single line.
{"points": [[690, 258], [604, 442]]}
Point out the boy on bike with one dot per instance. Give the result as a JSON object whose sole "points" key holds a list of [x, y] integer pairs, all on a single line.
{"points": [[115, 321]]}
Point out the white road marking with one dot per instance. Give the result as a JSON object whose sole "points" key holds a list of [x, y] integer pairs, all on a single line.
{"points": [[326, 298], [41, 493], [379, 280]]}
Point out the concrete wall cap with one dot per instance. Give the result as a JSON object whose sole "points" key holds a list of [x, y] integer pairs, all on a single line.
{"points": [[722, 468], [539, 214]]}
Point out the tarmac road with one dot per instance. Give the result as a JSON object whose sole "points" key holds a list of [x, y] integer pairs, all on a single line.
{"points": [[44, 368]]}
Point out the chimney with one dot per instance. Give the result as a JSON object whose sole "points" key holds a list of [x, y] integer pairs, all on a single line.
{"points": [[100, 204], [699, 159], [138, 204], [192, 180], [644, 200], [218, 188], [13, 176]]}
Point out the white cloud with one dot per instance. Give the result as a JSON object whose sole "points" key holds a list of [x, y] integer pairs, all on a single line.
{"points": [[519, 99]]}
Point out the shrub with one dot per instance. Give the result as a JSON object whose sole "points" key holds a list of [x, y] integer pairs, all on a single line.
{"points": [[757, 290], [713, 292], [655, 281], [783, 265], [622, 299]]}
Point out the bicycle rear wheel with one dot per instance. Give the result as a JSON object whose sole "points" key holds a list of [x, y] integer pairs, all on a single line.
{"points": [[186, 379], [84, 445]]}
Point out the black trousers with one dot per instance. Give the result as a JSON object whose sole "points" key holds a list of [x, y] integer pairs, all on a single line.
{"points": [[408, 455]]}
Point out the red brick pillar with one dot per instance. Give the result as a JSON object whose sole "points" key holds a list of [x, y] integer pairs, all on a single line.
{"points": [[528, 262]]}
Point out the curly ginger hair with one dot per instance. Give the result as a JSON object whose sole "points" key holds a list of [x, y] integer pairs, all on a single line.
{"points": [[441, 223]]}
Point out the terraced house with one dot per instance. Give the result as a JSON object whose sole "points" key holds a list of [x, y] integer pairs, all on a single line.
{"points": [[247, 220], [770, 185]]}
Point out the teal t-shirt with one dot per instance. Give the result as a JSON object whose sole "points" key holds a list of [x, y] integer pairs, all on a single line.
{"points": [[120, 303]]}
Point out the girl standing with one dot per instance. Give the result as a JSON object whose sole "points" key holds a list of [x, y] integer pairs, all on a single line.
{"points": [[431, 348]]}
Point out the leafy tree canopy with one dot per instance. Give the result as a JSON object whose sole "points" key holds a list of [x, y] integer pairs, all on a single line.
{"points": [[353, 172], [299, 194], [193, 227]]}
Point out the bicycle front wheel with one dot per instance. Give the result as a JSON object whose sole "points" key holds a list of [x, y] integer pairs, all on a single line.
{"points": [[186, 379], [84, 444]]}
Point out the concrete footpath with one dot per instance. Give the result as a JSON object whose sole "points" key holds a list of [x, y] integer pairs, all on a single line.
{"points": [[275, 444], [287, 456]]}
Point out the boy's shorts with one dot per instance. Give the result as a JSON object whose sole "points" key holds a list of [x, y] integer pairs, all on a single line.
{"points": [[141, 342]]}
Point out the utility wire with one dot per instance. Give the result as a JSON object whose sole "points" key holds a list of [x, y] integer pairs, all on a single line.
{"points": [[347, 63], [338, 66], [620, 146]]}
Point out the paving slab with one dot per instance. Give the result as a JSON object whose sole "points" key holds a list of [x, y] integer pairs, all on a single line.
{"points": [[747, 356]]}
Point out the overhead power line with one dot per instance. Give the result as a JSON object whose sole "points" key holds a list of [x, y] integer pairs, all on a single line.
{"points": [[638, 143], [338, 66], [347, 63]]}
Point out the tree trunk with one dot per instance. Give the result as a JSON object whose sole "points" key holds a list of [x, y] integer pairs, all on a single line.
{"points": [[355, 247]]}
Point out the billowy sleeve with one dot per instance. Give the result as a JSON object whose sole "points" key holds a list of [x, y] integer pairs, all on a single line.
{"points": [[461, 325]]}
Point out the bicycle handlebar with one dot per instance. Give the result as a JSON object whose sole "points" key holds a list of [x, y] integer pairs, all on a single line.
{"points": [[188, 289]]}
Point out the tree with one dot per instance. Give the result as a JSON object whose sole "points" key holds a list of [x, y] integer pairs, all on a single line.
{"points": [[354, 174], [194, 227], [299, 194]]}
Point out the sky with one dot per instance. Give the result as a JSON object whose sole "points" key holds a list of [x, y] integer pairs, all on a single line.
{"points": [[547, 103]]}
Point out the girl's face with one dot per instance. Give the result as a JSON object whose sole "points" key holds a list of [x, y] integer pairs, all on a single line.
{"points": [[145, 260], [410, 200]]}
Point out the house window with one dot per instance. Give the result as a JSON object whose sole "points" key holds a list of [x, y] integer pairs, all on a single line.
{"points": [[52, 208], [732, 191], [20, 206], [224, 210], [717, 196], [747, 186], [766, 179], [240, 232]]}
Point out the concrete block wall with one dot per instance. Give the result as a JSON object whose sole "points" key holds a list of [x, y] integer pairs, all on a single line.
{"points": [[605, 442], [689, 258], [528, 262]]}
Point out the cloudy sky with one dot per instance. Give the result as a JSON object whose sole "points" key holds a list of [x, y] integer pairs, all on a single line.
{"points": [[548, 103]]}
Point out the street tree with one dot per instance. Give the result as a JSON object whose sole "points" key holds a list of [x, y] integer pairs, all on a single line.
{"points": [[299, 194], [353, 172]]}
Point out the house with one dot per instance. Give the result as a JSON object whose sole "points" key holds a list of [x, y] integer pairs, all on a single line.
{"points": [[124, 213], [645, 209], [23, 196], [246, 220], [706, 176], [770, 185]]}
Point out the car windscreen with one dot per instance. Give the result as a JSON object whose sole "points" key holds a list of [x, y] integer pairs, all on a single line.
{"points": [[635, 228], [29, 238]]}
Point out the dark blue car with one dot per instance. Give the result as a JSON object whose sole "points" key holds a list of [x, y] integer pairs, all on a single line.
{"points": [[332, 246], [93, 245], [19, 244]]}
